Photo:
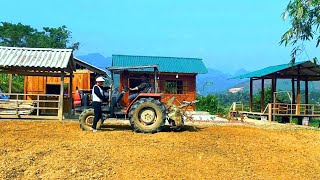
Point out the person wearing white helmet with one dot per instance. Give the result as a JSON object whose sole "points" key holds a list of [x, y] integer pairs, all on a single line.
{"points": [[97, 99]]}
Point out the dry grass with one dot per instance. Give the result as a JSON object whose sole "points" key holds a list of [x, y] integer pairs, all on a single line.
{"points": [[46, 150]]}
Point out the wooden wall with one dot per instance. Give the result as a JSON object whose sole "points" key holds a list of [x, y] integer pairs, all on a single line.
{"points": [[37, 84], [189, 81]]}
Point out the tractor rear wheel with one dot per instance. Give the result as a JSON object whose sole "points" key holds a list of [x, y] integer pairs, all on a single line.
{"points": [[86, 120], [147, 115]]}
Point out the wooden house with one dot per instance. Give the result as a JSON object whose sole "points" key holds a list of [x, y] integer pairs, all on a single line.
{"points": [[83, 79], [176, 76]]}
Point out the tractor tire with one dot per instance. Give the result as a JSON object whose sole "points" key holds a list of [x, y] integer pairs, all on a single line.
{"points": [[86, 120], [147, 115]]}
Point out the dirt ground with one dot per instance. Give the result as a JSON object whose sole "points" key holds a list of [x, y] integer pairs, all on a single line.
{"points": [[54, 150]]}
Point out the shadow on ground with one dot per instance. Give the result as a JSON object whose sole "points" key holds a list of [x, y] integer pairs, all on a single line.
{"points": [[123, 127]]}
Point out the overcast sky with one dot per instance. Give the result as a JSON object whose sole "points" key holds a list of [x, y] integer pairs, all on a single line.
{"points": [[227, 35]]}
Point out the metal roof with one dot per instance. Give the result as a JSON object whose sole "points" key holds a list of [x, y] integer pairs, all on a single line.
{"points": [[36, 58], [89, 66], [166, 64], [308, 70]]}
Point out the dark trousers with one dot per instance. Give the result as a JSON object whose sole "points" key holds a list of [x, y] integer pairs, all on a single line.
{"points": [[97, 113]]}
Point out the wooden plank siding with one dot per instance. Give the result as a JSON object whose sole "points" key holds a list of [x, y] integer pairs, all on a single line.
{"points": [[37, 84]]}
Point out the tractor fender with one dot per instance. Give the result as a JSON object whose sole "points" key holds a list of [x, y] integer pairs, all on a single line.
{"points": [[157, 96]]}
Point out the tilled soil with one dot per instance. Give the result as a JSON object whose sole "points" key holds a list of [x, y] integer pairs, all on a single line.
{"points": [[54, 150]]}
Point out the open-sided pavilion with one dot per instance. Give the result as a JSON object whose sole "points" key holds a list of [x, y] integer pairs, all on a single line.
{"points": [[298, 72]]}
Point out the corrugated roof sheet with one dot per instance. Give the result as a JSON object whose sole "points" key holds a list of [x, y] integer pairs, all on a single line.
{"points": [[268, 70], [35, 57], [166, 64]]}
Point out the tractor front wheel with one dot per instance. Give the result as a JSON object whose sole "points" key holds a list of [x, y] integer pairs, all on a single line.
{"points": [[147, 115], [86, 120]]}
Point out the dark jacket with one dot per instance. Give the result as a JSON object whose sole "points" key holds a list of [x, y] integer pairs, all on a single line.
{"points": [[96, 90], [144, 86]]}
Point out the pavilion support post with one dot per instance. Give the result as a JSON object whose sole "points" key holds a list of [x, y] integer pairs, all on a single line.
{"points": [[298, 100], [307, 92], [306, 85], [10, 84], [293, 92], [262, 95], [70, 94], [273, 89], [270, 111], [251, 94], [60, 110]]}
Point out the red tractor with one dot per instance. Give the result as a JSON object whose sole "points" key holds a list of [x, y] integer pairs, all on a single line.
{"points": [[147, 114]]}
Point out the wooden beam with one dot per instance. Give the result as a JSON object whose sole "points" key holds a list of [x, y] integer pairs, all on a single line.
{"points": [[10, 83], [26, 73], [60, 111], [251, 94], [262, 95], [293, 92]]}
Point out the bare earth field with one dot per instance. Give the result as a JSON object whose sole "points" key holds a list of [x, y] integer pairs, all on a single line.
{"points": [[54, 150]]}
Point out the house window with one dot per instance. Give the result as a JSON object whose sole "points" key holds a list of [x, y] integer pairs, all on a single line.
{"points": [[173, 87]]}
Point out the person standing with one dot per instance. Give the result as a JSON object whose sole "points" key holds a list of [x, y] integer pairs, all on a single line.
{"points": [[97, 99]]}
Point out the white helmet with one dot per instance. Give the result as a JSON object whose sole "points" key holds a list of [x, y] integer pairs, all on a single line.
{"points": [[100, 79]]}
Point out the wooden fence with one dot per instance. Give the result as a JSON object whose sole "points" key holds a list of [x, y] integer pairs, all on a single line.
{"points": [[38, 106]]}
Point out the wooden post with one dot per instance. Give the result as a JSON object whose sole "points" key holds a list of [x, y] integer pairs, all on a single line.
{"points": [[70, 94], [272, 89], [262, 95], [293, 92], [10, 84], [269, 111], [274, 99], [307, 92], [251, 94], [60, 111], [306, 95], [298, 101]]}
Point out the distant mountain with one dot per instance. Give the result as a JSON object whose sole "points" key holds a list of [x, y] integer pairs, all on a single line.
{"points": [[216, 81], [97, 60]]}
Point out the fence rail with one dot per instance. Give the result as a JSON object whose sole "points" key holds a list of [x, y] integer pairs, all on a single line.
{"points": [[279, 109], [33, 105]]}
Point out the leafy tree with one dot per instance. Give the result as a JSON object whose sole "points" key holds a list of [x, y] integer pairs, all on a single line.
{"points": [[19, 35], [305, 21], [209, 103]]}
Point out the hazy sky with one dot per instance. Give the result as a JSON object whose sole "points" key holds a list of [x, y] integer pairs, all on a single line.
{"points": [[227, 35]]}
